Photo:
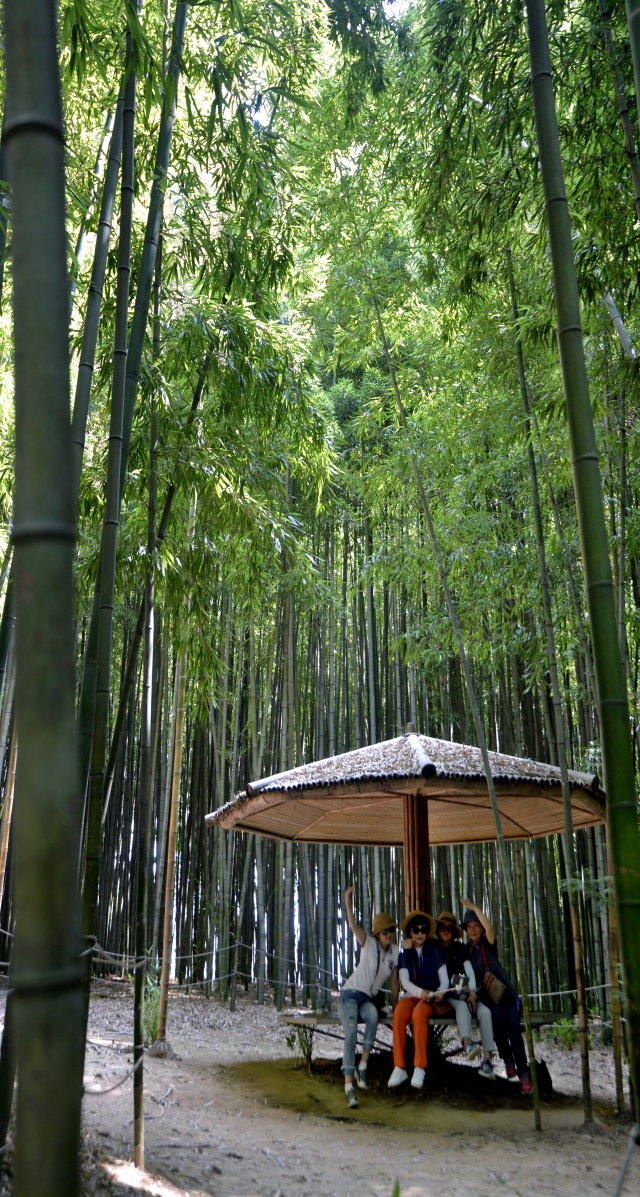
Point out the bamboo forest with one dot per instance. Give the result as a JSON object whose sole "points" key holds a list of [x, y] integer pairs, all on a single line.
{"points": [[319, 597]]}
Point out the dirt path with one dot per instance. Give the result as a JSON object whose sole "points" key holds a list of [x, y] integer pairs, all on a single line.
{"points": [[234, 1117]]}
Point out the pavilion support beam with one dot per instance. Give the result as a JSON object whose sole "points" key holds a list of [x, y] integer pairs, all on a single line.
{"points": [[417, 870]]}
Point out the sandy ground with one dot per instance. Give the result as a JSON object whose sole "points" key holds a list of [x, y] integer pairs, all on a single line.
{"points": [[237, 1116]]}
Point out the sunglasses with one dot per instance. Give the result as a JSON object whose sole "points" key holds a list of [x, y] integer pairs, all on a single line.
{"points": [[387, 931], [421, 930]]}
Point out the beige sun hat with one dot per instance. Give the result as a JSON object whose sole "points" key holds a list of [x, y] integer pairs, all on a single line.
{"points": [[449, 920], [383, 922]]}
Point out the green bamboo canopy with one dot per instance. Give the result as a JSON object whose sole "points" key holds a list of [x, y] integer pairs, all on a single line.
{"points": [[367, 797]]}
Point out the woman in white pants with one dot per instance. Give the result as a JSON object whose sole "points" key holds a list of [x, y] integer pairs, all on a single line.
{"points": [[456, 959]]}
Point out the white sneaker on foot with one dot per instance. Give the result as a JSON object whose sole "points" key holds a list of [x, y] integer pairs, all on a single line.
{"points": [[398, 1077], [472, 1050], [417, 1080]]}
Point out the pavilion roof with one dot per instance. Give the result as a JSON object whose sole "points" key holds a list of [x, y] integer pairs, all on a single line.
{"points": [[356, 797]]}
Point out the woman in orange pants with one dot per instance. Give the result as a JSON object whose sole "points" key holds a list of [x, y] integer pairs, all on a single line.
{"points": [[422, 972]]}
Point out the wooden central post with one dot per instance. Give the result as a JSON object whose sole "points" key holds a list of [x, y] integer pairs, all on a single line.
{"points": [[417, 870]]}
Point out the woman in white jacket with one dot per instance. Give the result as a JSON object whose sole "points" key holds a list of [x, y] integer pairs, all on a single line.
{"points": [[456, 959]]}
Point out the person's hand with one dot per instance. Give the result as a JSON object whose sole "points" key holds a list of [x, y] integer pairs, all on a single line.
{"points": [[408, 943], [469, 905], [472, 1002], [426, 996], [438, 997], [347, 893]]}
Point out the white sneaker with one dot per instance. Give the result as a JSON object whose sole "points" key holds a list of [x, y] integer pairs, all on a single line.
{"points": [[472, 1050], [398, 1077], [417, 1080]]}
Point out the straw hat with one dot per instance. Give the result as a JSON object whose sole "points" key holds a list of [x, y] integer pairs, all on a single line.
{"points": [[449, 920], [383, 922], [431, 922]]}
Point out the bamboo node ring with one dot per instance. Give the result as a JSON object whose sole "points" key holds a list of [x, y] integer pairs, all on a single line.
{"points": [[33, 121], [43, 529], [65, 979], [584, 457]]}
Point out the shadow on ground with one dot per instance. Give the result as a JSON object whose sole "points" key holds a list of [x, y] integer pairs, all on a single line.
{"points": [[455, 1097]]}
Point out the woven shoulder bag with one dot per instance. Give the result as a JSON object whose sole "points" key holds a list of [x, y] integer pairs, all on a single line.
{"points": [[492, 985]]}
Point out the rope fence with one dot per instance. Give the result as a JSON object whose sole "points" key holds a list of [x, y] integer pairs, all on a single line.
{"points": [[127, 1075]]}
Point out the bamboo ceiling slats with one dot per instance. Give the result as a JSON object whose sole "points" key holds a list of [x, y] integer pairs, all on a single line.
{"points": [[357, 797]]}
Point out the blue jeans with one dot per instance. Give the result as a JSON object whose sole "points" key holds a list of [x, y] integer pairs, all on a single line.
{"points": [[351, 1004]]}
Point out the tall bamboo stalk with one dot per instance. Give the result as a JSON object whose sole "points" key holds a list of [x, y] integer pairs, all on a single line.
{"points": [[152, 233], [572, 872], [46, 972], [623, 107], [94, 299], [8, 809], [584, 640], [136, 639], [373, 714], [482, 744], [111, 520], [617, 760], [163, 830], [133, 363], [171, 853], [85, 223], [146, 776]]}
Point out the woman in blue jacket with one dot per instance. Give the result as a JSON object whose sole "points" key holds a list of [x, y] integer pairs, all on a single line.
{"points": [[423, 977]]}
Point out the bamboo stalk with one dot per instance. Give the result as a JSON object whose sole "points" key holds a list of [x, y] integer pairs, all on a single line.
{"points": [[85, 223], [94, 299], [623, 107], [111, 511], [586, 649], [146, 269], [146, 778], [171, 854], [7, 1068], [616, 748], [4, 205], [46, 975], [8, 808], [139, 627], [470, 687], [7, 698], [572, 872]]}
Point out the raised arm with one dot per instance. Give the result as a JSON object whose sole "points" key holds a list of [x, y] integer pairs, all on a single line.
{"points": [[490, 933], [358, 931]]}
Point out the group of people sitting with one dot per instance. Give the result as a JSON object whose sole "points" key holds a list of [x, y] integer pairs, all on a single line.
{"points": [[440, 975]]}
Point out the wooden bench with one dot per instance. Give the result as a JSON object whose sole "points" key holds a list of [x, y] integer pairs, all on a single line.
{"points": [[324, 1020]]}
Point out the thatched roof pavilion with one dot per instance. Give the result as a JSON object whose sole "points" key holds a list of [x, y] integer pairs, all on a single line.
{"points": [[415, 791], [356, 797]]}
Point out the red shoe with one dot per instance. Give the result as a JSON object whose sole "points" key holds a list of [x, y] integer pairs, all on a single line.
{"points": [[510, 1066], [525, 1084]]}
